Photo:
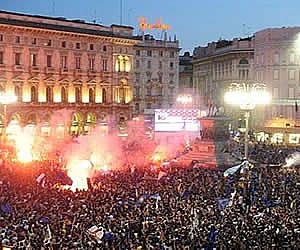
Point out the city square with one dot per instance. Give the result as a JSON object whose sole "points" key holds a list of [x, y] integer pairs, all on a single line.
{"points": [[122, 132]]}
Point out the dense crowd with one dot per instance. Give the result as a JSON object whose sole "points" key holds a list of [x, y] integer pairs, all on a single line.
{"points": [[187, 208]]}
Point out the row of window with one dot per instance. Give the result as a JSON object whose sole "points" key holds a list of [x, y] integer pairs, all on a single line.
{"points": [[149, 64], [63, 95], [49, 43], [151, 53], [50, 60], [291, 59], [149, 77], [260, 76], [291, 93]]}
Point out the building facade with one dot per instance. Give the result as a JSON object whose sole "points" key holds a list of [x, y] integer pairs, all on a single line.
{"points": [[277, 63], [156, 74], [218, 64], [52, 64], [185, 72]]}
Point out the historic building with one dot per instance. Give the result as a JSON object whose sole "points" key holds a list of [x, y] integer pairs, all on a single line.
{"points": [[277, 61], [185, 72], [53, 64], [220, 63], [156, 74]]}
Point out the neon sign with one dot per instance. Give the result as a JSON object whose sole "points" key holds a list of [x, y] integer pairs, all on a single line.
{"points": [[157, 25]]}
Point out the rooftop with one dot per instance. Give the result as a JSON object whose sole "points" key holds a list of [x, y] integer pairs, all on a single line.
{"points": [[63, 24]]}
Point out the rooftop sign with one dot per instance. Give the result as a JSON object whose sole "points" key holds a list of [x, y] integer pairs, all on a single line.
{"points": [[157, 25]]}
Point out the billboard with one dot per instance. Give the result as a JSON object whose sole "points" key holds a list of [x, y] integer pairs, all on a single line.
{"points": [[174, 120]]}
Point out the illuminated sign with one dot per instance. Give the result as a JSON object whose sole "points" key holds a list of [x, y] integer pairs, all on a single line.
{"points": [[157, 25], [174, 120]]}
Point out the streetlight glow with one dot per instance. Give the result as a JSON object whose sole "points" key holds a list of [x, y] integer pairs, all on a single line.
{"points": [[7, 99], [247, 96], [184, 99]]}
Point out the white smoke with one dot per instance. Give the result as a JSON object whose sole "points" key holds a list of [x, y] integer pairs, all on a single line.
{"points": [[292, 160]]}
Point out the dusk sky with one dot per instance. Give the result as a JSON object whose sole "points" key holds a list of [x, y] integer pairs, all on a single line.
{"points": [[195, 22]]}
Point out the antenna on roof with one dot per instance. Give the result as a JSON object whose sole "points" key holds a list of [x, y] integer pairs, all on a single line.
{"points": [[121, 12], [53, 7]]}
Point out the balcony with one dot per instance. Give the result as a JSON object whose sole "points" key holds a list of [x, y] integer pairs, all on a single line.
{"points": [[92, 73], [49, 70], [78, 72], [34, 69], [18, 68], [63, 71]]}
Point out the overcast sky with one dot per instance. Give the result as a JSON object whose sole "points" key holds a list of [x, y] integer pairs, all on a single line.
{"points": [[195, 22]]}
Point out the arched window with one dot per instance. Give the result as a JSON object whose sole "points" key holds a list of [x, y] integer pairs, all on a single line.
{"points": [[18, 93], [63, 95], [91, 95], [103, 95], [243, 61], [33, 94], [77, 94], [49, 94]]}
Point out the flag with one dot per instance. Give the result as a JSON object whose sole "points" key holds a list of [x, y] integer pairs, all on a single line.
{"points": [[232, 170], [48, 236], [161, 174], [40, 177], [155, 196], [6, 208], [223, 203], [96, 232]]}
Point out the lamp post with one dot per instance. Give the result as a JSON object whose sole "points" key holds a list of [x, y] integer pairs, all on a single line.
{"points": [[247, 96], [5, 100], [184, 99]]}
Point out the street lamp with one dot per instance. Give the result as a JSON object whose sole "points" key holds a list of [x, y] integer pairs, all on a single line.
{"points": [[247, 96], [184, 99], [6, 99]]}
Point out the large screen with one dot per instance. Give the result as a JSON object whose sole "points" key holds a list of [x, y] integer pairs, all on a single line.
{"points": [[174, 120]]}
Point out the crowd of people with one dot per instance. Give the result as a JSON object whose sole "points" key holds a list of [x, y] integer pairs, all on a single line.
{"points": [[185, 208]]}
